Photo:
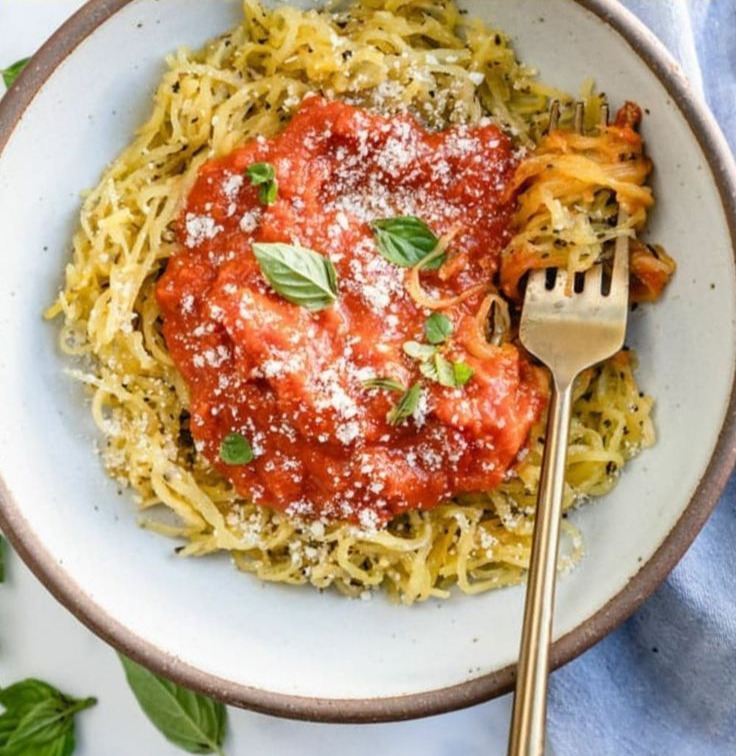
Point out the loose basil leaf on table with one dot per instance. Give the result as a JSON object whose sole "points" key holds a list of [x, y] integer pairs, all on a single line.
{"points": [[193, 722], [38, 719], [300, 275], [406, 241], [11, 73]]}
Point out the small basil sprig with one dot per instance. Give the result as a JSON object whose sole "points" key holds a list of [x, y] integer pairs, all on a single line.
{"points": [[406, 241], [298, 274], [235, 450], [189, 720], [263, 175], [451, 374], [11, 73], [463, 373], [438, 328], [436, 367], [406, 406], [418, 351], [38, 719]]}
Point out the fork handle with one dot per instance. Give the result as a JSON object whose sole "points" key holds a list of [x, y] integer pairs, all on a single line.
{"points": [[530, 702]]}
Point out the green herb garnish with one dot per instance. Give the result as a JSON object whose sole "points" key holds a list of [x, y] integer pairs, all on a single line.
{"points": [[300, 275], [463, 373], [235, 450], [438, 328], [11, 73], [38, 719], [187, 719], [439, 369], [263, 175], [436, 367], [418, 351], [406, 406], [389, 384], [406, 241]]}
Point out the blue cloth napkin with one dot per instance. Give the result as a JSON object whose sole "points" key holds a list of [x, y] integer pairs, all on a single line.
{"points": [[664, 684]]}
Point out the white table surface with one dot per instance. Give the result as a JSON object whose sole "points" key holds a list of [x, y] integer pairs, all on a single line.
{"points": [[39, 638]]}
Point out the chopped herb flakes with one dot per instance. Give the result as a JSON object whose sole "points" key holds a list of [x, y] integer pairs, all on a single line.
{"points": [[389, 384], [235, 450], [263, 175], [438, 328], [406, 406]]}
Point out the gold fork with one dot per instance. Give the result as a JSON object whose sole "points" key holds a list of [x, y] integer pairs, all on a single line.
{"points": [[569, 330]]}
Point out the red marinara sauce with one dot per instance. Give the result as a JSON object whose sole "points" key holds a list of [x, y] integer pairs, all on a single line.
{"points": [[291, 381]]}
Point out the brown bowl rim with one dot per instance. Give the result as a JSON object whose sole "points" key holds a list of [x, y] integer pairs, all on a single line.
{"points": [[720, 159]]}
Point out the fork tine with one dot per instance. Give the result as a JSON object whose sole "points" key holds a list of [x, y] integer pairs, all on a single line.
{"points": [[560, 287], [536, 282], [620, 274], [579, 116], [554, 116], [594, 280]]}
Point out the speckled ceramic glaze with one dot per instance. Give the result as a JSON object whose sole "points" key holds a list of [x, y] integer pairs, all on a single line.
{"points": [[294, 651]]}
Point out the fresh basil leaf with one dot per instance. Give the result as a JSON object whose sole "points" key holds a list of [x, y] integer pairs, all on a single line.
{"points": [[63, 746], [260, 173], [445, 372], [38, 720], [418, 351], [451, 374], [406, 406], [11, 73], [18, 700], [187, 719], [299, 275], [269, 193], [438, 328], [235, 450], [428, 369], [60, 747], [463, 373], [24, 695], [46, 722], [439, 370], [389, 384], [263, 175], [406, 241]]}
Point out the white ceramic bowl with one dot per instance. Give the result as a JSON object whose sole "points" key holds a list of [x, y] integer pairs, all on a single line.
{"points": [[297, 652]]}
